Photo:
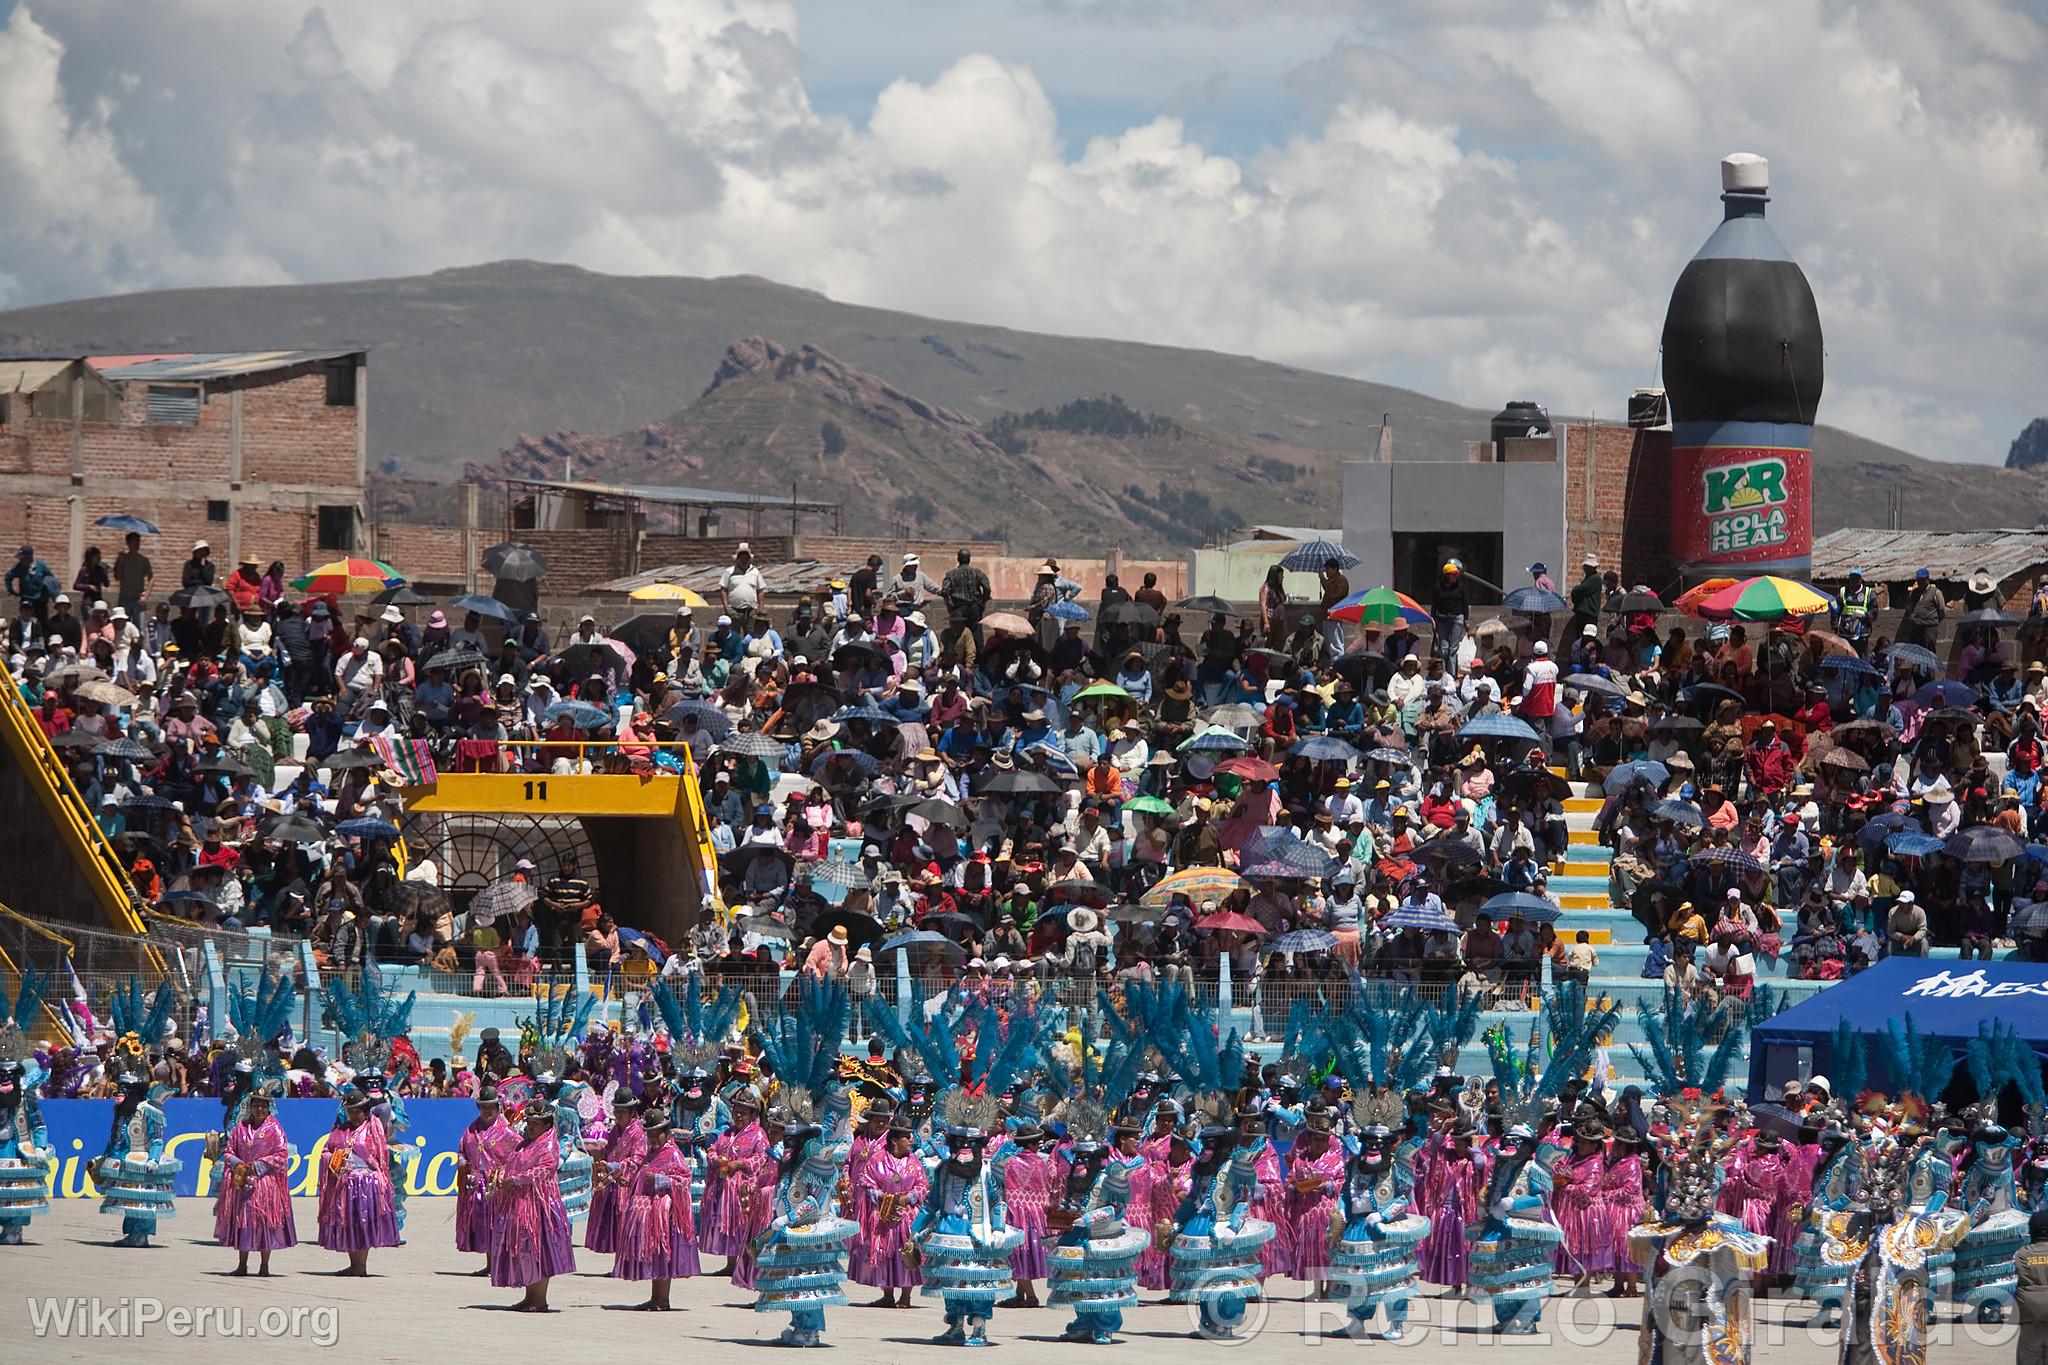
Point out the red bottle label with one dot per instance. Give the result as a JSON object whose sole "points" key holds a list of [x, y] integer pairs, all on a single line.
{"points": [[1739, 505]]}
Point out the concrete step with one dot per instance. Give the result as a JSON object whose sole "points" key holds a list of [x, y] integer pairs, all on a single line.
{"points": [[1581, 805]]}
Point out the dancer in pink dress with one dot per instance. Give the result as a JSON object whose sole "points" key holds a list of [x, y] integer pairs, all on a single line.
{"points": [[613, 1170], [358, 1209], [1030, 1180], [1315, 1179], [1157, 1191], [732, 1184], [254, 1209], [482, 1150], [1759, 1181], [1577, 1178], [1270, 1205], [1451, 1172], [531, 1242], [1621, 1205], [1802, 1159], [887, 1195], [657, 1237]]}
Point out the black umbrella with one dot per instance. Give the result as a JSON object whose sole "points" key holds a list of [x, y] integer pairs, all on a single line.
{"points": [[590, 656], [1596, 684], [293, 829], [201, 597], [344, 759], [76, 739], [1535, 784], [1128, 614], [1630, 602], [1092, 894], [1984, 844], [1677, 724], [938, 812], [1988, 616], [1364, 670], [862, 931], [224, 763], [1021, 784], [1208, 602], [737, 861], [1731, 857], [404, 595], [951, 923], [1707, 694], [855, 652], [515, 560]]}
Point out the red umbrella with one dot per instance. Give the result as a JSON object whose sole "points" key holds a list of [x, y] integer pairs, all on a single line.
{"points": [[1232, 921], [1250, 767]]}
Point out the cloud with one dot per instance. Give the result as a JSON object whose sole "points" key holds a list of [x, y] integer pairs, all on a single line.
{"points": [[1478, 199]]}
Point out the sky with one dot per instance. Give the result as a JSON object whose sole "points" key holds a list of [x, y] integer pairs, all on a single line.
{"points": [[1481, 199]]}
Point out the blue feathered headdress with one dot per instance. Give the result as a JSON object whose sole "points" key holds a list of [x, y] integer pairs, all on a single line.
{"points": [[801, 1042]]}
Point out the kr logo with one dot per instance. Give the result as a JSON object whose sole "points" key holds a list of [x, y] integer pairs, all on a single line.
{"points": [[1737, 487]]}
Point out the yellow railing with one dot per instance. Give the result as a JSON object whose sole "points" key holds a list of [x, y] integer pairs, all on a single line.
{"points": [[53, 786]]}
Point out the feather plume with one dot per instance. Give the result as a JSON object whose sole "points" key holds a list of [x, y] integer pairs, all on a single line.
{"points": [[458, 1032]]}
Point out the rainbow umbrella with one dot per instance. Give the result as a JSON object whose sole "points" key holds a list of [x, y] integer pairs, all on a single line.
{"points": [[345, 576], [1198, 884], [1767, 598], [1380, 607]]}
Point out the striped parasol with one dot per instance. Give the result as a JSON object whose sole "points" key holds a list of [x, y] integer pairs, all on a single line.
{"points": [[345, 576], [1198, 884], [1765, 598], [1380, 607]]}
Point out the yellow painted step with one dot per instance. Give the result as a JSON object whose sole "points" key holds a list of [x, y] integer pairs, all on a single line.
{"points": [[1585, 900], [1584, 836], [1573, 869]]}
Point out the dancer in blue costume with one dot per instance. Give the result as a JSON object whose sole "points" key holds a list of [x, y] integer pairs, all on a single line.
{"points": [[696, 1029], [134, 1176], [1889, 1305], [962, 1235], [1094, 1262], [1375, 1264], [1697, 1264], [1215, 1251], [1985, 1281], [801, 1254], [24, 1141]]}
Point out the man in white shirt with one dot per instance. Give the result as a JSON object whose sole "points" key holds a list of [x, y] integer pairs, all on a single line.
{"points": [[1407, 683], [359, 671], [740, 586], [1344, 805]]}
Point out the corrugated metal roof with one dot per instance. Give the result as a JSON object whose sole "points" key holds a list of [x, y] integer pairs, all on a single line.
{"points": [[203, 366], [1892, 556], [796, 576], [26, 376], [662, 492]]}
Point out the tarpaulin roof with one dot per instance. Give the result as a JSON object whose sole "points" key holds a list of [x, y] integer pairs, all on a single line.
{"points": [[26, 376], [1946, 999], [218, 365], [1952, 556]]}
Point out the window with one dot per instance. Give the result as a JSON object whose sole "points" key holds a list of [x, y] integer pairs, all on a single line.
{"points": [[216, 509], [341, 383], [173, 407], [337, 528]]}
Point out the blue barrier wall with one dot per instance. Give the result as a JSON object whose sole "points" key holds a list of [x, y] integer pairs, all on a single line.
{"points": [[79, 1129]]}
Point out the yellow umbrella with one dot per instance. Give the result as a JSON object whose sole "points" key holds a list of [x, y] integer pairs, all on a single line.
{"points": [[667, 592]]}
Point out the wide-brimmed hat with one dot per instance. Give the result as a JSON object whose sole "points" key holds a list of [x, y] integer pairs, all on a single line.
{"points": [[1982, 582], [1082, 921]]}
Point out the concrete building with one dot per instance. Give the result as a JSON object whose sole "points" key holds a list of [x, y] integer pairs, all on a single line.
{"points": [[259, 453]]}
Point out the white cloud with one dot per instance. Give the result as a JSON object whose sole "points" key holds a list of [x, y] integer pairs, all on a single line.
{"points": [[1479, 199]]}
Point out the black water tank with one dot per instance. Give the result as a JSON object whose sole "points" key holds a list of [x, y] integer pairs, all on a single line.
{"points": [[1519, 418]]}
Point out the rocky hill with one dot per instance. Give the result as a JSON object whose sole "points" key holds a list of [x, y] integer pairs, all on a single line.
{"points": [[2029, 449]]}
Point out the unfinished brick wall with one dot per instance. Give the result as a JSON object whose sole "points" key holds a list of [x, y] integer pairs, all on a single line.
{"points": [[1617, 499]]}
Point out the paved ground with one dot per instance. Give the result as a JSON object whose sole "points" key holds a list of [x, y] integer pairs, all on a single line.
{"points": [[421, 1305]]}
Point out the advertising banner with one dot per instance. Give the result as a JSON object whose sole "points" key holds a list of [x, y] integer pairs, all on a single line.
{"points": [[79, 1129], [1741, 507]]}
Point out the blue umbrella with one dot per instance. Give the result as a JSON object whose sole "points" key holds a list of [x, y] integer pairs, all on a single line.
{"points": [[1849, 663], [710, 719], [487, 606], [580, 714], [1679, 813], [1914, 656], [1622, 774], [1984, 844], [1535, 601], [1317, 555], [1325, 749], [1066, 609], [1946, 692], [1729, 856], [865, 762], [1500, 726], [1535, 909], [1423, 918], [866, 711], [1216, 741], [1272, 869], [1597, 684], [919, 938], [1911, 844], [1880, 828], [366, 828], [125, 523], [1304, 941]]}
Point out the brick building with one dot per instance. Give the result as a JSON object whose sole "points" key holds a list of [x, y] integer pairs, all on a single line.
{"points": [[259, 453]]}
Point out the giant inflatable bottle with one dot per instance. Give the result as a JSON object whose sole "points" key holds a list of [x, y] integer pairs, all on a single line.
{"points": [[1742, 369]]}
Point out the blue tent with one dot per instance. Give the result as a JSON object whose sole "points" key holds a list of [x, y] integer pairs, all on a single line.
{"points": [[1946, 999]]}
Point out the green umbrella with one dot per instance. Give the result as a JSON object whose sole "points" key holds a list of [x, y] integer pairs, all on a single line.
{"points": [[1102, 689], [1149, 805]]}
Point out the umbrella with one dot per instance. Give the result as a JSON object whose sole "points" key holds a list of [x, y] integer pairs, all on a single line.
{"points": [[1707, 694], [487, 606], [920, 938], [73, 674], [1915, 656], [1363, 670], [1988, 616], [126, 524], [1689, 600], [710, 718], [1144, 914], [736, 861], [867, 763], [856, 652], [502, 898], [1421, 917], [1015, 783], [106, 693], [1215, 740], [1630, 603], [1535, 601], [1149, 805], [1131, 613], [1236, 716], [226, 764], [367, 828], [867, 711], [950, 922], [345, 576], [515, 561], [1500, 726], [293, 829], [580, 714], [457, 659], [1272, 869], [1380, 607], [1730, 857], [1452, 853], [133, 750], [1535, 909], [1208, 602], [1622, 775], [1318, 555], [344, 759], [1849, 663], [1535, 784], [668, 592], [1230, 922], [753, 744], [1879, 828], [1679, 813], [1249, 767], [1198, 884], [1596, 684], [403, 595], [186, 897], [1102, 689], [852, 876], [1946, 692], [1304, 941], [2028, 916], [1845, 758], [201, 598], [1324, 749], [148, 801], [602, 655], [1679, 725], [1067, 609], [1007, 623], [1396, 756], [1876, 729], [1984, 844], [1912, 844], [1092, 894], [862, 929], [940, 812]]}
